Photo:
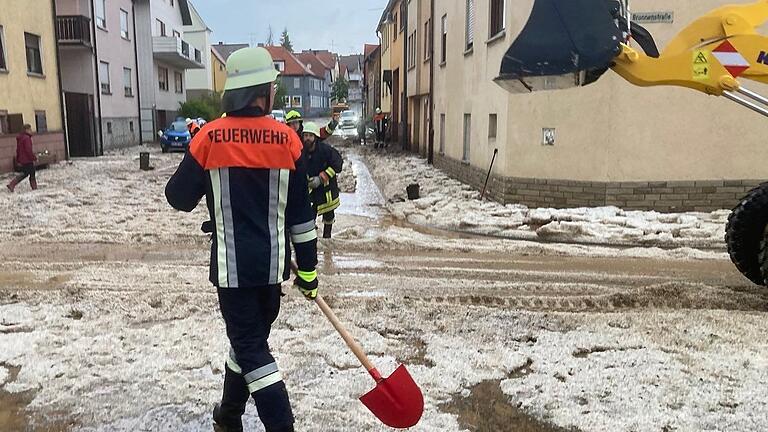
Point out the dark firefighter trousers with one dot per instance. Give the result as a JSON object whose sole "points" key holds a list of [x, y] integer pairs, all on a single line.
{"points": [[248, 314]]}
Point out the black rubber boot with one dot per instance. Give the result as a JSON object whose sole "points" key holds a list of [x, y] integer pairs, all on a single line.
{"points": [[228, 414], [327, 228]]}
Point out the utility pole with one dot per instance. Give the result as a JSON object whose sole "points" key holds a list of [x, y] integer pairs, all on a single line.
{"points": [[431, 38], [404, 98]]}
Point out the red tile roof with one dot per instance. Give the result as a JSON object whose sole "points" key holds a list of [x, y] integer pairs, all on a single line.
{"points": [[313, 63], [369, 49], [328, 58], [293, 67]]}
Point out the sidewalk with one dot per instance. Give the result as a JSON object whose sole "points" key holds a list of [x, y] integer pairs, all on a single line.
{"points": [[448, 204]]}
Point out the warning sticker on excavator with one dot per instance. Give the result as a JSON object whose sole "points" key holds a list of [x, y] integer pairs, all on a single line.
{"points": [[701, 65]]}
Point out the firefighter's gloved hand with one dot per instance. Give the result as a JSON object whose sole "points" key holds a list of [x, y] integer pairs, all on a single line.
{"points": [[315, 182], [306, 282]]}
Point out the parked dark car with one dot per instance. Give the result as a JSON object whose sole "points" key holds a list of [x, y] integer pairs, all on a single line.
{"points": [[175, 138]]}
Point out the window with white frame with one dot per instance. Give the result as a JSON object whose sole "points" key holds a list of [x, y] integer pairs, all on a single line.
{"points": [[394, 28], [128, 82], [179, 82], [412, 50], [34, 58], [467, 136], [101, 14], [296, 102], [497, 18], [442, 133], [470, 25], [287, 101], [160, 28], [492, 126], [104, 80], [4, 129], [443, 38], [162, 78], [297, 83], [124, 25], [427, 40], [41, 122], [279, 65]]}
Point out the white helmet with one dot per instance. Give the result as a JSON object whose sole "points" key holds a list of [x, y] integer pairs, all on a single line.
{"points": [[188, 121], [378, 110]]}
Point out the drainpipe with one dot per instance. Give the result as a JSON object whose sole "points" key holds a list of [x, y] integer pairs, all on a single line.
{"points": [[431, 36], [62, 105], [100, 141], [136, 57], [404, 99]]}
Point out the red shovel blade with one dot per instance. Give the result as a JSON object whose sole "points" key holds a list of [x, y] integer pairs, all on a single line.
{"points": [[397, 400]]}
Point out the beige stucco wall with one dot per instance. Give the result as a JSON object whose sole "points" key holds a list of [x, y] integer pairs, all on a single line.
{"points": [[386, 96], [463, 85], [424, 17], [218, 73], [609, 131], [397, 47], [19, 92]]}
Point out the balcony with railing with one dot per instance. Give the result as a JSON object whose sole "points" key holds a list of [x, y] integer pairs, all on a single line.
{"points": [[73, 30], [177, 52]]}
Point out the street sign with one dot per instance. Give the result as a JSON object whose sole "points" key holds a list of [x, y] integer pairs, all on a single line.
{"points": [[666, 17]]}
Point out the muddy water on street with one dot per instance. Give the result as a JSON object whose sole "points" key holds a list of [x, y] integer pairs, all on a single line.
{"points": [[14, 416], [487, 408]]}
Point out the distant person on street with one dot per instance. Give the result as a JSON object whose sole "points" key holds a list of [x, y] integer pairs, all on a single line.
{"points": [[380, 123], [324, 163], [25, 158], [192, 127]]}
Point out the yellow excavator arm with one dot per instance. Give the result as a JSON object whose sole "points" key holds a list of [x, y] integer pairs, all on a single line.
{"points": [[712, 54]]}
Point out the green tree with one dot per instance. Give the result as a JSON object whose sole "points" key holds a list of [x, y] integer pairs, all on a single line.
{"points": [[280, 94], [340, 89], [207, 107], [285, 40]]}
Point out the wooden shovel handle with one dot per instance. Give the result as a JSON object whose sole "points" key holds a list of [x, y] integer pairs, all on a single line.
{"points": [[357, 350]]}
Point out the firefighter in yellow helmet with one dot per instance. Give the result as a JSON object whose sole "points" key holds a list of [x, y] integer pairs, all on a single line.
{"points": [[296, 122], [248, 166], [324, 163]]}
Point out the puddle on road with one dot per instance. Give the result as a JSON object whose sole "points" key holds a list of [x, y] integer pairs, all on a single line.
{"points": [[13, 409], [488, 409], [415, 353], [367, 200]]}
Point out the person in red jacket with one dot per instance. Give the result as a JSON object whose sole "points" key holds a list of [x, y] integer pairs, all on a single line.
{"points": [[25, 158]]}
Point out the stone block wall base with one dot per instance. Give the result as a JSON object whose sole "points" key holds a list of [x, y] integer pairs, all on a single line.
{"points": [[662, 196]]}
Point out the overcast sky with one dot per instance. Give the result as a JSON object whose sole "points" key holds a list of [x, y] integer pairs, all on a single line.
{"points": [[341, 25]]}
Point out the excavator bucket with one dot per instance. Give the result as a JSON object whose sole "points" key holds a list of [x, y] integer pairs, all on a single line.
{"points": [[565, 43]]}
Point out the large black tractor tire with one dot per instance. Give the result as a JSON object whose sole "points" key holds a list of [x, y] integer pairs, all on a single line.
{"points": [[745, 234]]}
